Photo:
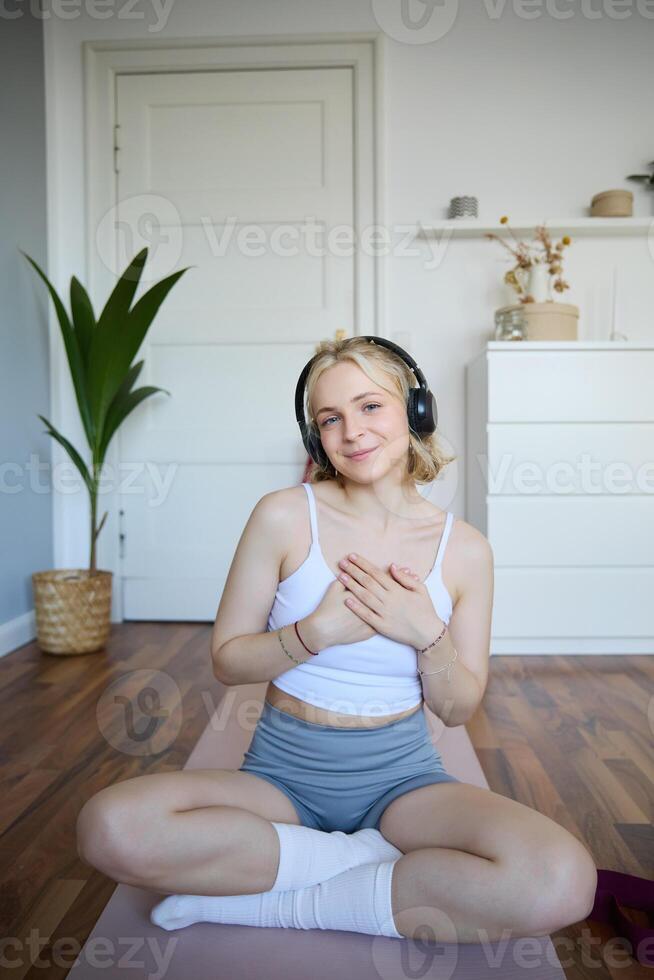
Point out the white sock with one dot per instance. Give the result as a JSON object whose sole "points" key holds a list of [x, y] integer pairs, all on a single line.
{"points": [[308, 856], [358, 900]]}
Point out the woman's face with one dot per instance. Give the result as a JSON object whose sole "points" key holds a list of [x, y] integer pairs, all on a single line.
{"points": [[377, 421]]}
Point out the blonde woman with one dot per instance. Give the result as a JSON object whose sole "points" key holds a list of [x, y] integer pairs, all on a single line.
{"points": [[357, 600]]}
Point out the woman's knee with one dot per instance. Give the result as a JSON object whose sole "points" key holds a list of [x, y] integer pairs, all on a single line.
{"points": [[108, 837], [563, 882]]}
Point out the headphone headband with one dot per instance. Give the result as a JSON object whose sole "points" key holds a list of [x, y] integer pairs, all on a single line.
{"points": [[421, 407]]}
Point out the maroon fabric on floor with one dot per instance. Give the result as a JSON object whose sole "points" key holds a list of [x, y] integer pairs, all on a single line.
{"points": [[614, 888]]}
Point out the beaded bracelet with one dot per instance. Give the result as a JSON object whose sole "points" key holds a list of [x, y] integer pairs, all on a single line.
{"points": [[445, 666], [279, 634], [439, 637]]}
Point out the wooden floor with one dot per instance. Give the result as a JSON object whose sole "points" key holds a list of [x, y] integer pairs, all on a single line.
{"points": [[569, 736]]}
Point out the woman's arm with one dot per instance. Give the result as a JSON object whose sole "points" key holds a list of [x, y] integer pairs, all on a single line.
{"points": [[468, 634]]}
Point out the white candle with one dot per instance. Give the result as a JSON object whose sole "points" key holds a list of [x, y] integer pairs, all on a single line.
{"points": [[615, 302]]}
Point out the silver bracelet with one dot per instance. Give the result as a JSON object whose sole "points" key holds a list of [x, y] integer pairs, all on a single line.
{"points": [[438, 669]]}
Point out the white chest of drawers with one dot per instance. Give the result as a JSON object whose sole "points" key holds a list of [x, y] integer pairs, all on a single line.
{"points": [[560, 479]]}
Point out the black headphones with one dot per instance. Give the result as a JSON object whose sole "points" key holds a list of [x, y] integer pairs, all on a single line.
{"points": [[421, 404]]}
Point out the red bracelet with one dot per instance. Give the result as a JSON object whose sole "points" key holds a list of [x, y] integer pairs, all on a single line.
{"points": [[302, 641]]}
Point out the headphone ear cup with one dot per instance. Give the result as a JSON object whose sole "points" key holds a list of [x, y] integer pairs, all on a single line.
{"points": [[314, 447], [421, 411]]}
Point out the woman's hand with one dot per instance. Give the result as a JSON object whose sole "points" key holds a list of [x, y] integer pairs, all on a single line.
{"points": [[335, 623], [397, 605]]}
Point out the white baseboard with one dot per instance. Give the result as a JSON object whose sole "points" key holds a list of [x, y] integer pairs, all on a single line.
{"points": [[572, 645], [16, 632]]}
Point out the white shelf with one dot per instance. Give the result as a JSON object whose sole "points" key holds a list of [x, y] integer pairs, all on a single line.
{"points": [[569, 345], [523, 346], [476, 227]]}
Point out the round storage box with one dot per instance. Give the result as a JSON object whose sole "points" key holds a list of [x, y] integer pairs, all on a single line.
{"points": [[551, 321], [612, 204]]}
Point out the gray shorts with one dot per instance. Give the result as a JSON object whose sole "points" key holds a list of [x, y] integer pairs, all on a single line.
{"points": [[343, 778]]}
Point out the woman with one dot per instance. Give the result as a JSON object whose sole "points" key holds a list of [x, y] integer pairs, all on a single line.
{"points": [[342, 815]]}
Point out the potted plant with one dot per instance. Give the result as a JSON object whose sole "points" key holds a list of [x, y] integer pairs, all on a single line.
{"points": [[537, 270], [73, 606]]}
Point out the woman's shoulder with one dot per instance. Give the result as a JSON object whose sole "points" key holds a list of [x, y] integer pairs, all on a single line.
{"points": [[471, 544], [296, 496], [468, 556], [290, 502]]}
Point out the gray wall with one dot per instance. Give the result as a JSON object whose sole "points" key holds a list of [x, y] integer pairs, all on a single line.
{"points": [[26, 512]]}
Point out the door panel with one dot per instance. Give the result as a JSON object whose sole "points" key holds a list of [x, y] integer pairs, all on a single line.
{"points": [[231, 173]]}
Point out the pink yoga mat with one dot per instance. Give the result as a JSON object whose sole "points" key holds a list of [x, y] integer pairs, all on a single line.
{"points": [[125, 943]]}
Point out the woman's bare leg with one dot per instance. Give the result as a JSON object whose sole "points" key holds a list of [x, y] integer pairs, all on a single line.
{"points": [[444, 895], [217, 850], [163, 829], [436, 895], [211, 833]]}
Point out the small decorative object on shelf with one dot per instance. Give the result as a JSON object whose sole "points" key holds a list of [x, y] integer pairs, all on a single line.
{"points": [[528, 256], [646, 179], [510, 323], [463, 207], [612, 204]]}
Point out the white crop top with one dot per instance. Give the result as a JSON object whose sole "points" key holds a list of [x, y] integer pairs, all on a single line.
{"points": [[377, 676]]}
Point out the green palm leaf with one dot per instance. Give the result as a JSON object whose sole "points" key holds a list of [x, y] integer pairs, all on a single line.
{"points": [[107, 335], [72, 452], [128, 335], [74, 355], [83, 318], [123, 402]]}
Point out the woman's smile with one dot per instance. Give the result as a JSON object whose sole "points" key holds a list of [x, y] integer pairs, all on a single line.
{"points": [[365, 455]]}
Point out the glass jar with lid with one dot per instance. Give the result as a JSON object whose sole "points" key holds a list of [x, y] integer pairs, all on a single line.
{"points": [[510, 323]]}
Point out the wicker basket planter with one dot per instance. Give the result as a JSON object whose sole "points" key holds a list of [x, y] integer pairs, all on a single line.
{"points": [[73, 610]]}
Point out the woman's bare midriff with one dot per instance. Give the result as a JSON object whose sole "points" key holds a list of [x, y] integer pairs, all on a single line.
{"points": [[321, 716]]}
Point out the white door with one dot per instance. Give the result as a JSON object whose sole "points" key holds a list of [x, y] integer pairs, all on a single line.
{"points": [[202, 156]]}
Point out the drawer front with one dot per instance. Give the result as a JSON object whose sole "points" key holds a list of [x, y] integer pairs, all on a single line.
{"points": [[571, 386], [573, 602], [567, 458], [573, 530]]}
